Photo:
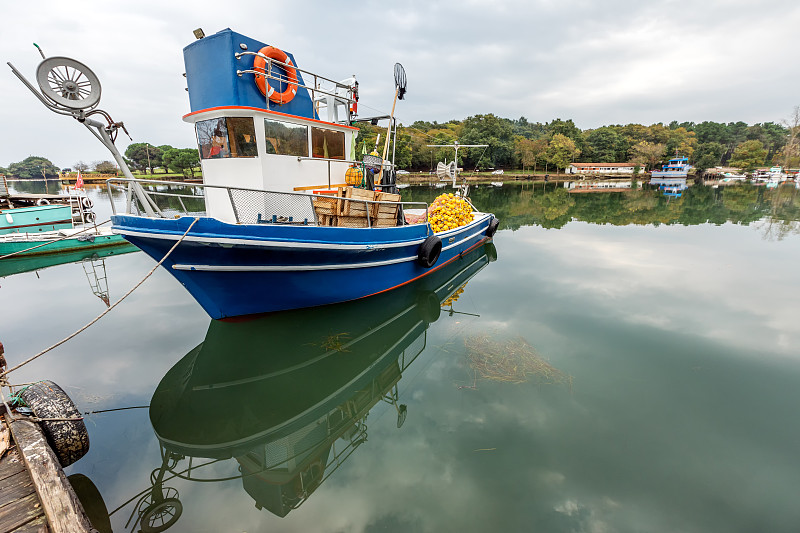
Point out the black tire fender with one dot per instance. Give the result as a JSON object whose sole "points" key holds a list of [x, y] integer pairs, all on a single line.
{"points": [[429, 251], [429, 306], [68, 439], [492, 229]]}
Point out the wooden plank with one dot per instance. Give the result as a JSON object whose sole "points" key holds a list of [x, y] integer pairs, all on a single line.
{"points": [[16, 487], [61, 506], [311, 187], [22, 511], [37, 525], [10, 464]]}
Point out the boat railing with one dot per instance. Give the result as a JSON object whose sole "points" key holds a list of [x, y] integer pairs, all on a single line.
{"points": [[337, 92], [166, 199]]}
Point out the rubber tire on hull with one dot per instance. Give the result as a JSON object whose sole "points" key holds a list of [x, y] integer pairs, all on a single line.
{"points": [[69, 440], [429, 251], [429, 306], [491, 251], [492, 229]]}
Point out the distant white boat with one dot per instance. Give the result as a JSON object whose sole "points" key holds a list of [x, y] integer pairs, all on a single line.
{"points": [[497, 183]]}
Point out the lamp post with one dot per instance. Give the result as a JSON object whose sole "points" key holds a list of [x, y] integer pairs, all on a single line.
{"points": [[147, 148]]}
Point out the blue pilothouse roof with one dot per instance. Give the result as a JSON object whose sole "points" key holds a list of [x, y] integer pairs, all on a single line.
{"points": [[212, 79]]}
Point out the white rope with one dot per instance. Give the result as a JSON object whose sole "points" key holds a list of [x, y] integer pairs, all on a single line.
{"points": [[104, 313]]}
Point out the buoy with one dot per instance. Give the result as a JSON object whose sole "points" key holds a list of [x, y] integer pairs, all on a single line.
{"points": [[42, 201], [353, 176], [9, 218]]}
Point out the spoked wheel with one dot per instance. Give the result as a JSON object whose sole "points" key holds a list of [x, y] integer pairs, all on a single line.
{"points": [[161, 511], [68, 82]]}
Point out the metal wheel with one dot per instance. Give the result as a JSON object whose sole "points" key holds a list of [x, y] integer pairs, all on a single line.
{"points": [[161, 515], [68, 82]]}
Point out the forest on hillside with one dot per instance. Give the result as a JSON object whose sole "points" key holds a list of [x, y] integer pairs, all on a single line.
{"points": [[521, 144]]}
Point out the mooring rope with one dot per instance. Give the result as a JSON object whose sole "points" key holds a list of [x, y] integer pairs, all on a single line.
{"points": [[95, 226], [104, 313]]}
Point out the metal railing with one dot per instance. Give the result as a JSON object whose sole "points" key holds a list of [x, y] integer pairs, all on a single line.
{"points": [[347, 99], [149, 198]]}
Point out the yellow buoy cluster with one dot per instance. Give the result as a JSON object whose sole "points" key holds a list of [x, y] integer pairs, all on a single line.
{"points": [[454, 297], [449, 211]]}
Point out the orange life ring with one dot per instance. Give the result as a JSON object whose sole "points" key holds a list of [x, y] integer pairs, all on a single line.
{"points": [[260, 64]]}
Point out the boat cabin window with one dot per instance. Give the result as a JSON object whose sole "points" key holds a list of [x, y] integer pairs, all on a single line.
{"points": [[226, 137], [242, 134], [285, 138], [327, 143]]}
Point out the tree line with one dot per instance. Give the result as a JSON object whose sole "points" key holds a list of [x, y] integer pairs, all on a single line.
{"points": [[520, 144], [142, 157], [552, 146]]}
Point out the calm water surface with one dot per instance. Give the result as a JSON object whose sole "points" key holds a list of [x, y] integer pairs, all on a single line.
{"points": [[627, 363]]}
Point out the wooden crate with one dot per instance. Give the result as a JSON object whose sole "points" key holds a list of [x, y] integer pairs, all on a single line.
{"points": [[384, 210], [327, 205], [384, 223], [356, 208], [387, 197], [343, 221], [326, 220]]}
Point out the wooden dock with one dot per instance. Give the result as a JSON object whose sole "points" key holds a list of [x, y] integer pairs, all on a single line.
{"points": [[35, 495]]}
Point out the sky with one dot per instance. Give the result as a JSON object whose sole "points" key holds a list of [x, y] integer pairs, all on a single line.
{"points": [[597, 63]]}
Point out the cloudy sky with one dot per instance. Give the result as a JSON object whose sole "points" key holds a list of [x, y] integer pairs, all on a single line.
{"points": [[597, 63]]}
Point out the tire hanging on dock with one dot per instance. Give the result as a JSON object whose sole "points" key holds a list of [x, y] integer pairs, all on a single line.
{"points": [[68, 439]]}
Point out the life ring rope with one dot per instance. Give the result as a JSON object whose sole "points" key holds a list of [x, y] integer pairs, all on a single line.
{"points": [[260, 65]]}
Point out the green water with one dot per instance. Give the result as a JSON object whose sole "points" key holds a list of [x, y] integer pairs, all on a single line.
{"points": [[627, 363]]}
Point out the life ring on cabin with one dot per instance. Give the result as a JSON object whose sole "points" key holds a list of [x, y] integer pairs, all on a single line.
{"points": [[42, 201], [429, 251], [492, 229], [260, 64]]}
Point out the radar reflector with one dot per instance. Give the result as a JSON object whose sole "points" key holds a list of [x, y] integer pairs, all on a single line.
{"points": [[446, 172]]}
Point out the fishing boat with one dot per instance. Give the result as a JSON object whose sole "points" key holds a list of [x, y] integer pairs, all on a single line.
{"points": [[316, 373], [278, 228]]}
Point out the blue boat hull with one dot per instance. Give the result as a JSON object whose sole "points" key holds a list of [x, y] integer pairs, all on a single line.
{"points": [[234, 270]]}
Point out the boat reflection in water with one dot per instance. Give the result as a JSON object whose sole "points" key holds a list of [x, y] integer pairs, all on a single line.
{"points": [[287, 395]]}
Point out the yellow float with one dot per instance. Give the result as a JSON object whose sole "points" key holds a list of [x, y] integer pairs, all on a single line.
{"points": [[449, 211]]}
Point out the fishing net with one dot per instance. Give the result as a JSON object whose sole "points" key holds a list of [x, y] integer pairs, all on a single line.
{"points": [[510, 361]]}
